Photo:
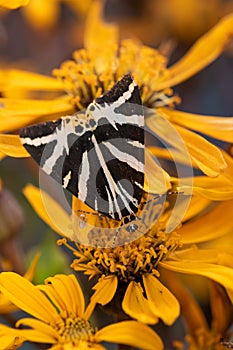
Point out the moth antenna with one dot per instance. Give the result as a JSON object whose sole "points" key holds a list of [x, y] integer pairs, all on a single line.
{"points": [[88, 212], [175, 192]]}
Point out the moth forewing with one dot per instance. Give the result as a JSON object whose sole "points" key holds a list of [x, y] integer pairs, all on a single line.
{"points": [[99, 156]]}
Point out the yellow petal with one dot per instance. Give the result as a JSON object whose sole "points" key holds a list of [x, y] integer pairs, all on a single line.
{"points": [[13, 4], [101, 41], [220, 308], [198, 255], [220, 274], [42, 14], [207, 156], [2, 155], [27, 297], [11, 79], [219, 188], [29, 275], [163, 303], [197, 205], [105, 290], [230, 295], [49, 211], [11, 146], [45, 329], [190, 309], [17, 113], [69, 292], [218, 127], [130, 333], [137, 306], [202, 53], [31, 335], [209, 256], [222, 244], [86, 269], [89, 310], [6, 305], [210, 225], [174, 155], [9, 341], [225, 258], [216, 189], [165, 132], [52, 295], [157, 180], [98, 34]]}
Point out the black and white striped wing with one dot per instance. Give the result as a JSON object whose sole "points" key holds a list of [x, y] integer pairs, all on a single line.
{"points": [[119, 146], [98, 157], [50, 143]]}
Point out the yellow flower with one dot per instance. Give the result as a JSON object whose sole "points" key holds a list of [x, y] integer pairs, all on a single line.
{"points": [[134, 272], [97, 67], [201, 335], [6, 305], [13, 4], [136, 269], [61, 320]]}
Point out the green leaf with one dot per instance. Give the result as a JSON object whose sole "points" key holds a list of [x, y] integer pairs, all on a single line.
{"points": [[53, 259]]}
